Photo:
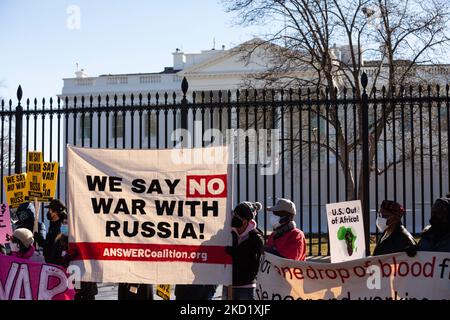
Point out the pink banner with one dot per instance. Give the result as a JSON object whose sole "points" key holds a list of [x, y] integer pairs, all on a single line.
{"points": [[5, 223], [25, 280]]}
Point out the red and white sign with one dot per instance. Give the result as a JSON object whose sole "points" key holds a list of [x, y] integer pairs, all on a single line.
{"points": [[141, 216]]}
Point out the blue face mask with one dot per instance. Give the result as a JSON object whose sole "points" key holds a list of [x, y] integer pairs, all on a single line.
{"points": [[65, 229]]}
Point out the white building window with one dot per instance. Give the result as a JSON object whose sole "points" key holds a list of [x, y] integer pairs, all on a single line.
{"points": [[117, 127], [85, 127], [150, 79], [150, 126], [84, 82], [177, 78], [117, 80]]}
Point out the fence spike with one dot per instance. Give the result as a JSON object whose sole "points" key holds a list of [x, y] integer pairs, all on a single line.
{"points": [[19, 93], [364, 80], [184, 86]]}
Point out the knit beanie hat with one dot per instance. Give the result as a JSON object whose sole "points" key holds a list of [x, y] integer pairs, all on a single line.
{"points": [[25, 236], [393, 207], [247, 210]]}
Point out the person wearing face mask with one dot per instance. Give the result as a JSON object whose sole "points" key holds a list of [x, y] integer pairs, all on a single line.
{"points": [[436, 236], [56, 215], [286, 240], [21, 244], [246, 250], [395, 237], [24, 218]]}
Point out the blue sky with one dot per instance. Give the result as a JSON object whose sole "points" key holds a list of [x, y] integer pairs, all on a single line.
{"points": [[38, 49]]}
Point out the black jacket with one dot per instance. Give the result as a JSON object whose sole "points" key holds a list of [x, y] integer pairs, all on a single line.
{"points": [[398, 241], [432, 240], [246, 257], [49, 243], [87, 290]]}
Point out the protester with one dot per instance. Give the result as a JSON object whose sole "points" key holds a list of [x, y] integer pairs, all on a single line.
{"points": [[21, 244], [246, 250], [436, 236], [395, 237], [194, 292], [56, 215], [286, 240], [25, 216], [58, 250]]}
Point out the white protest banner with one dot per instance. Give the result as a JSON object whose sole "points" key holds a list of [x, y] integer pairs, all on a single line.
{"points": [[387, 277], [5, 223], [346, 231], [150, 216]]}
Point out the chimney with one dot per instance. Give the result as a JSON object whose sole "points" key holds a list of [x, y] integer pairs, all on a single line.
{"points": [[81, 74], [178, 59]]}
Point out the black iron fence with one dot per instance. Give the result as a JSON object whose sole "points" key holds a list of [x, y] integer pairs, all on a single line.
{"points": [[312, 146]]}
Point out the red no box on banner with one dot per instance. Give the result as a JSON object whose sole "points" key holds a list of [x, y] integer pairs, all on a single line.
{"points": [[206, 186]]}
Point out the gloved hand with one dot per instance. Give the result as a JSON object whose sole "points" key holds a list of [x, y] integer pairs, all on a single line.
{"points": [[411, 251], [271, 250], [37, 237]]}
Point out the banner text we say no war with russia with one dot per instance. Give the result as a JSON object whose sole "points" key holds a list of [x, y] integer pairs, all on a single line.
{"points": [[144, 216]]}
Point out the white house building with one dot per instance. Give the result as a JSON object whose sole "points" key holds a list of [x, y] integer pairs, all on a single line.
{"points": [[209, 71]]}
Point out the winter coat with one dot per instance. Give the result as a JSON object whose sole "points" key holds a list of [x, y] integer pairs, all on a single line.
{"points": [[433, 241], [48, 242], [246, 255], [59, 256], [291, 245], [397, 241]]}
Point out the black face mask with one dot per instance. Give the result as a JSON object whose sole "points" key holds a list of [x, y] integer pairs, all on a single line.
{"points": [[236, 223]]}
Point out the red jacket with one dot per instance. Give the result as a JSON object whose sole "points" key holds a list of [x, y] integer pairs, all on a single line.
{"points": [[291, 245]]}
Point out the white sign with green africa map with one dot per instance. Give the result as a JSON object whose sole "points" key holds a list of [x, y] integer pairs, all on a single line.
{"points": [[346, 231]]}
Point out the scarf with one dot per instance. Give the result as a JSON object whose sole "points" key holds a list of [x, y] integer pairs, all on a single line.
{"points": [[392, 222], [26, 255], [244, 235], [283, 229]]}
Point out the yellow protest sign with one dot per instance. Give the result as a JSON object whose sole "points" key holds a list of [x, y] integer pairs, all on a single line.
{"points": [[49, 178], [16, 189], [34, 175], [163, 291]]}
